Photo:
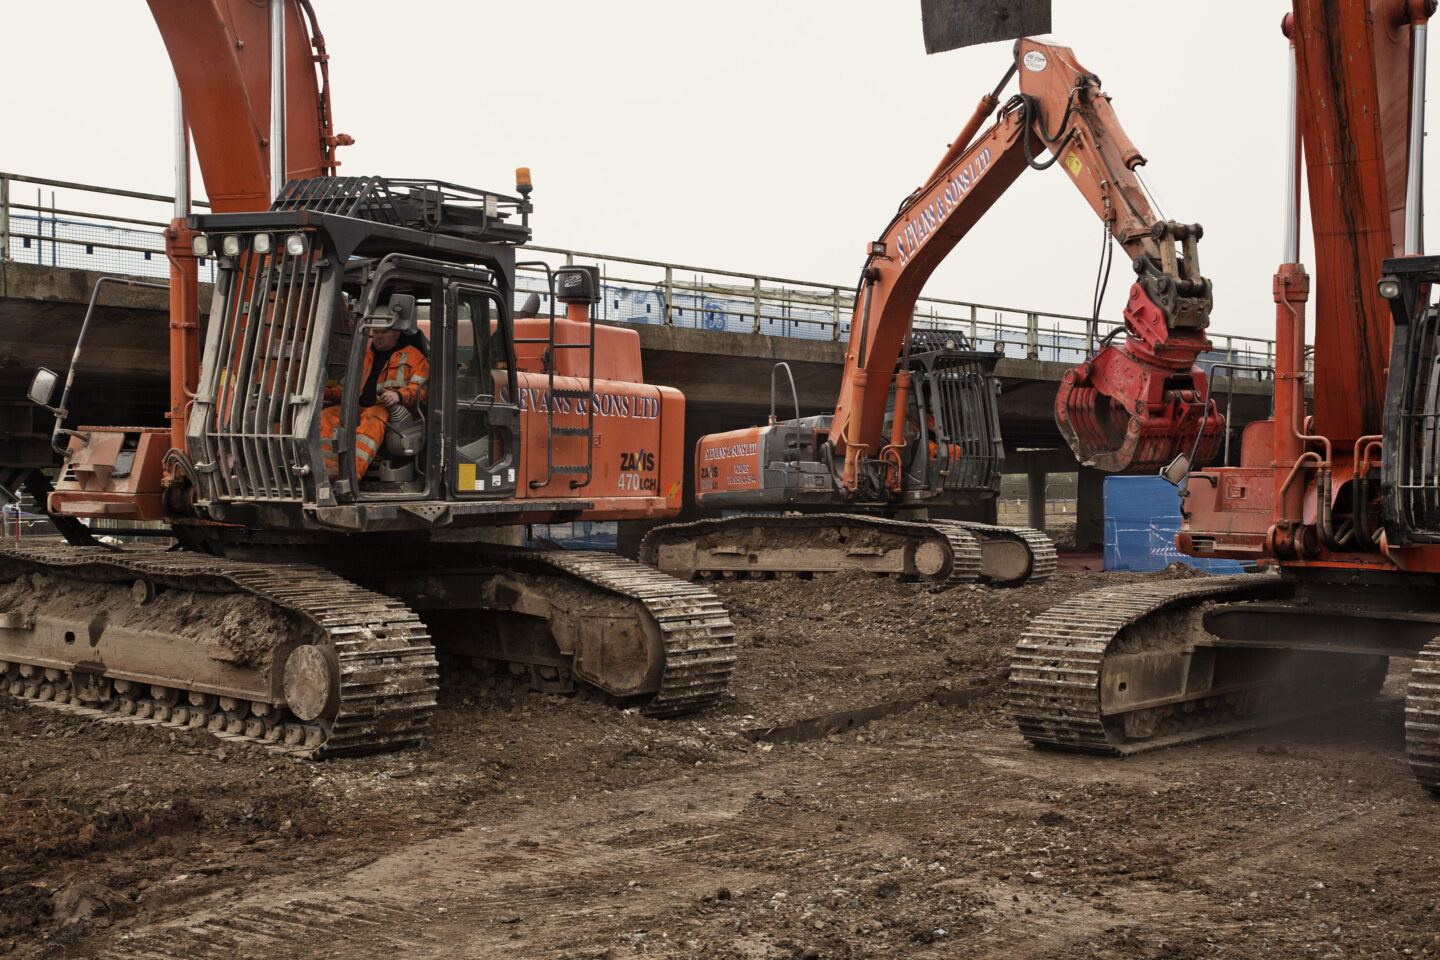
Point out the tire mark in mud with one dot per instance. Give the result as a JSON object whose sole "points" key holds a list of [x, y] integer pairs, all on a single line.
{"points": [[575, 877], [658, 852], [486, 880]]}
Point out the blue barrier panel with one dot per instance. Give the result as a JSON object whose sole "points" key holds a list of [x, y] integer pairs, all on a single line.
{"points": [[1142, 517], [579, 535]]}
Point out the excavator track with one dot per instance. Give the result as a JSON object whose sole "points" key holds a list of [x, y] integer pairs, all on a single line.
{"points": [[944, 551], [1072, 666], [965, 551], [696, 631], [1422, 717], [361, 678], [1041, 560]]}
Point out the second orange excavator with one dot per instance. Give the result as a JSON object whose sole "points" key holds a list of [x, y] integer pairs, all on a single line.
{"points": [[917, 423]]}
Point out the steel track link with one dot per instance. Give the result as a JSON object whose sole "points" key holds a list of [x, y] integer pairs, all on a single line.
{"points": [[388, 674], [964, 546], [698, 634], [1422, 717], [1056, 671], [965, 553], [1043, 557]]}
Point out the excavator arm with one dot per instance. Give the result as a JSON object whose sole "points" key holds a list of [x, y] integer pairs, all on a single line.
{"points": [[1060, 111], [220, 51], [221, 55]]}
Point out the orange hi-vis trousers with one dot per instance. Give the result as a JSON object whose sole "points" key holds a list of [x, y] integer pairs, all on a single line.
{"points": [[407, 373], [369, 434]]}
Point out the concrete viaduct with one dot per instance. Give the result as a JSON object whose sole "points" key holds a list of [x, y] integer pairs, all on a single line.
{"points": [[123, 378]]}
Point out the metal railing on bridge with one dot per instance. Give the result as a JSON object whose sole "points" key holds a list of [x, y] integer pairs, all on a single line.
{"points": [[634, 290]]}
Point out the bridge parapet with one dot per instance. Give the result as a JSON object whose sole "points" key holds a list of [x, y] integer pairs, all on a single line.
{"points": [[88, 233]]}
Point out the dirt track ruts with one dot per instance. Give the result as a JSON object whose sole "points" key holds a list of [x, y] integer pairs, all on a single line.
{"points": [[545, 826]]}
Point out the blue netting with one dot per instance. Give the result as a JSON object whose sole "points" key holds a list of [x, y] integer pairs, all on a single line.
{"points": [[81, 245], [77, 244], [579, 535], [1142, 517]]}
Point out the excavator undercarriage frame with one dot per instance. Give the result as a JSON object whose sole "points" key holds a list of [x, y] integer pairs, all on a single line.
{"points": [[1144, 666]]}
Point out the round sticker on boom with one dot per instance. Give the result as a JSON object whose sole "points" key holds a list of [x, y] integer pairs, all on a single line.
{"points": [[1035, 61]]}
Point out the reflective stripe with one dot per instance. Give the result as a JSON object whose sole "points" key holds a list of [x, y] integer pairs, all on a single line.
{"points": [[363, 441], [402, 376]]}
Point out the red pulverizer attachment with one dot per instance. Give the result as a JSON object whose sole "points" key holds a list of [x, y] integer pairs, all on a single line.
{"points": [[1134, 406]]}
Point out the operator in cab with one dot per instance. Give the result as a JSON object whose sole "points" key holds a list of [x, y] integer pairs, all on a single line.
{"points": [[395, 375]]}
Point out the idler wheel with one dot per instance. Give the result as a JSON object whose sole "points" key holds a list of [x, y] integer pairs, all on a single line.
{"points": [[311, 682], [1004, 561], [930, 558]]}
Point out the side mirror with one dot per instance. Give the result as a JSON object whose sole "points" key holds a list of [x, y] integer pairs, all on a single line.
{"points": [[1177, 470], [402, 313], [42, 387], [399, 315]]}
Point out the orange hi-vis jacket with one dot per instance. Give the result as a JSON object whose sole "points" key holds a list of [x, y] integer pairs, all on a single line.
{"points": [[407, 373]]}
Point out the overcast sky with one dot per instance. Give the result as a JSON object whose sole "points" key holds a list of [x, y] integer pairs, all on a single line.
{"points": [[774, 137]]}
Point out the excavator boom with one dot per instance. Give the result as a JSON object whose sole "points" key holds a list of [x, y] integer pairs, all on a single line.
{"points": [[1060, 110], [220, 51]]}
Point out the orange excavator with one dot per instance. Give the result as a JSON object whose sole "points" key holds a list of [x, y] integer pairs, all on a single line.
{"points": [[917, 423], [293, 615], [1339, 496]]}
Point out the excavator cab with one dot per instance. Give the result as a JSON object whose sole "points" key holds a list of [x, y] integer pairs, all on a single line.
{"points": [[299, 294], [954, 449], [952, 453], [1410, 461], [506, 428]]}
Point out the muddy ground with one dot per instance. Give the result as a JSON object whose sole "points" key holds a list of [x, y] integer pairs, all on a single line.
{"points": [[543, 826]]}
